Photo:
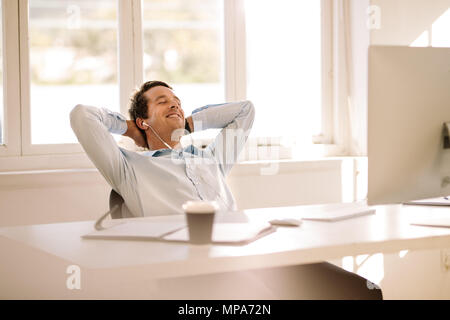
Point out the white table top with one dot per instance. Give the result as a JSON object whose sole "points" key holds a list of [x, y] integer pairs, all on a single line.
{"points": [[386, 231]]}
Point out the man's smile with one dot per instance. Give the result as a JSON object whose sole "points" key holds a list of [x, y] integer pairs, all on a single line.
{"points": [[173, 115]]}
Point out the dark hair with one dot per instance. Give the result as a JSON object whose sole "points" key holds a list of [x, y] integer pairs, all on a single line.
{"points": [[138, 105]]}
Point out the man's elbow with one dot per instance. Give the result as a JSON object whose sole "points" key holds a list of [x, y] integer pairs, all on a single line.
{"points": [[78, 114], [249, 108], [77, 111]]}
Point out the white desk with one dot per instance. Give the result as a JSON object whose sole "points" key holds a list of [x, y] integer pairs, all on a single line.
{"points": [[35, 258]]}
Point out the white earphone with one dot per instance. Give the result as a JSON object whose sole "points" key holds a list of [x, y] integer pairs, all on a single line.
{"points": [[149, 126]]}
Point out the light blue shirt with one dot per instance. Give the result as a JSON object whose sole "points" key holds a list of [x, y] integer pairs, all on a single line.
{"points": [[158, 182]]}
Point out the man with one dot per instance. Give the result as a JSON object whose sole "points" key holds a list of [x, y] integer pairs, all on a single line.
{"points": [[159, 181]]}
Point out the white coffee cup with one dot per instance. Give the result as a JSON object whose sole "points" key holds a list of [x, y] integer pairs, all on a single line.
{"points": [[200, 220]]}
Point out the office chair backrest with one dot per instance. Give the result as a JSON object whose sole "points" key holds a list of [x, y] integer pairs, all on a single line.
{"points": [[123, 211]]}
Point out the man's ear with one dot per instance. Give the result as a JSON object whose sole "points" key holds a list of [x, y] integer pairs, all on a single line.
{"points": [[142, 129], [139, 124]]}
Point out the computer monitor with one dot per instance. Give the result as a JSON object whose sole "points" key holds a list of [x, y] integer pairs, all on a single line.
{"points": [[409, 102]]}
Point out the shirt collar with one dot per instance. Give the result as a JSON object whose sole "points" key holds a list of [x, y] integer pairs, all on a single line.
{"points": [[157, 153], [189, 149]]}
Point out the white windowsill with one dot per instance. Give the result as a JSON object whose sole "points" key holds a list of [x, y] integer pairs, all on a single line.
{"points": [[71, 176], [263, 153]]}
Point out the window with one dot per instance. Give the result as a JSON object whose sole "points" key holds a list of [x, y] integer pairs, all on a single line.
{"points": [[183, 45], [64, 52], [284, 61], [289, 54], [73, 59]]}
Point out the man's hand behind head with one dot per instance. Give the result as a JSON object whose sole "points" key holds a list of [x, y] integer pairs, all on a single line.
{"points": [[137, 135]]}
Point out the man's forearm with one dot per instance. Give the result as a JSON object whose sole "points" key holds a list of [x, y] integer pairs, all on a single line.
{"points": [[131, 129], [218, 116], [234, 118]]}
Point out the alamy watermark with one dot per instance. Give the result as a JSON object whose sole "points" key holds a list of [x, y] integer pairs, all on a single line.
{"points": [[374, 20], [230, 146], [73, 21], [73, 281]]}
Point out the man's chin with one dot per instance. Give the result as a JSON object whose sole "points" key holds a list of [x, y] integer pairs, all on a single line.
{"points": [[175, 123]]}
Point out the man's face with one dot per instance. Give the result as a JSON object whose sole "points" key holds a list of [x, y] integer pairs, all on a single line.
{"points": [[164, 109]]}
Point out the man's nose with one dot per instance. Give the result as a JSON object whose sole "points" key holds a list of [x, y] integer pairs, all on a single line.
{"points": [[174, 105]]}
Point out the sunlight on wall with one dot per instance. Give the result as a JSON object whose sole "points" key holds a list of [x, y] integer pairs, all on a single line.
{"points": [[403, 253], [440, 31], [437, 35], [422, 41]]}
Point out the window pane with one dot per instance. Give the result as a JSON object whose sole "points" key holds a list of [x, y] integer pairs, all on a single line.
{"points": [[1, 77], [284, 66], [183, 46], [73, 59]]}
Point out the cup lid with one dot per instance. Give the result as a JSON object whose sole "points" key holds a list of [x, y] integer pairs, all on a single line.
{"points": [[200, 206]]}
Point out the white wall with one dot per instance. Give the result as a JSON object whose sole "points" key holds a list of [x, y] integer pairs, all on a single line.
{"points": [[52, 196]]}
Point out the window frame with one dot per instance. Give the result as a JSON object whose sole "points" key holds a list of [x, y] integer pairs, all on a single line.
{"points": [[327, 72], [19, 154], [131, 71], [11, 81], [235, 50]]}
